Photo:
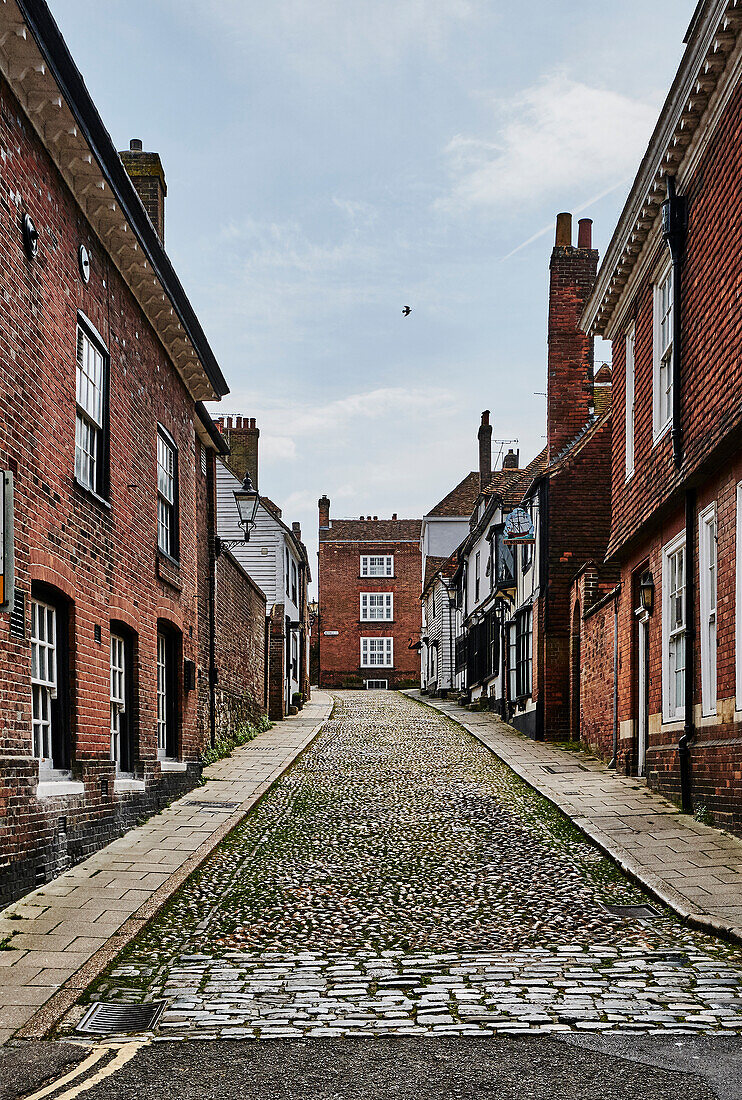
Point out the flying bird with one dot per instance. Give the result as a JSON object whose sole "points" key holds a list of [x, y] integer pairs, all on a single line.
{"points": [[407, 311]]}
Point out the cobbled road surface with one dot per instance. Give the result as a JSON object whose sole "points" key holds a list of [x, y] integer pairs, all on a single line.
{"points": [[401, 880]]}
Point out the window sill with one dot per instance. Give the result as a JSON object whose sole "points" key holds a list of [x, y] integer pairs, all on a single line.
{"points": [[125, 785], [376, 622], [59, 788], [92, 495], [168, 570], [656, 437], [173, 766], [362, 578]]}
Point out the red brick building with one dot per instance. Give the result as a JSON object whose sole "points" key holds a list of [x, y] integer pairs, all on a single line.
{"points": [[369, 601], [110, 658], [667, 296]]}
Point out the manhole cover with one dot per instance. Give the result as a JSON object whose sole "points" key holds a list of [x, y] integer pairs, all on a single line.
{"points": [[640, 912], [112, 1019], [557, 769], [226, 807]]}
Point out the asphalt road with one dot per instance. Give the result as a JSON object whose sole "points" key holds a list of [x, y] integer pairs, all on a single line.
{"points": [[425, 1068]]}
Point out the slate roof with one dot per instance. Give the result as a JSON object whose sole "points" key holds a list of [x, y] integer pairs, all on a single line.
{"points": [[372, 530], [461, 500]]}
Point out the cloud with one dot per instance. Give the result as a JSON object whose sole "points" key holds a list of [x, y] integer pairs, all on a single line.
{"points": [[558, 137], [394, 406]]}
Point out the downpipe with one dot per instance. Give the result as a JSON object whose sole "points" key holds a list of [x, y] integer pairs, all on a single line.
{"points": [[614, 759]]}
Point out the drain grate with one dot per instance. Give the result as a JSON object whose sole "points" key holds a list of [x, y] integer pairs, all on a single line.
{"points": [[640, 912], [557, 769], [226, 807], [112, 1019]]}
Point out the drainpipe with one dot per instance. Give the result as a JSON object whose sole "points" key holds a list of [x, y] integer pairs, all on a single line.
{"points": [[674, 231], [614, 761], [684, 744], [212, 536]]}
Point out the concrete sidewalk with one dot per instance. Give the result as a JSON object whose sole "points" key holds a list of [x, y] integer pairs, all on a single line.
{"points": [[695, 869], [65, 933]]}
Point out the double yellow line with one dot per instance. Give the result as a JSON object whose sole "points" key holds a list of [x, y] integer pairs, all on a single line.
{"points": [[124, 1052]]}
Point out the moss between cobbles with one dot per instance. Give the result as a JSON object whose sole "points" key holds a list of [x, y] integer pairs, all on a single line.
{"points": [[395, 836]]}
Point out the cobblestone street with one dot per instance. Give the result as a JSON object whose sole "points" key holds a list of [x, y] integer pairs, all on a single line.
{"points": [[400, 879]]}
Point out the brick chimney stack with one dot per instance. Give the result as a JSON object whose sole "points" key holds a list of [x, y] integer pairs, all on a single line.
{"points": [[570, 398], [296, 530], [242, 435], [324, 511], [485, 450], [148, 176], [511, 460]]}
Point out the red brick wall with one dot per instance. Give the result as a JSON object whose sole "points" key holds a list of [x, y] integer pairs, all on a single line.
{"points": [[103, 558], [240, 652], [340, 586], [711, 367], [648, 509], [591, 660], [578, 526]]}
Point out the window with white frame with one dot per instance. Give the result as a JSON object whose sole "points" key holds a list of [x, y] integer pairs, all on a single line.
{"points": [[167, 494], [377, 652], [294, 583], [673, 628], [90, 420], [118, 696], [707, 571], [377, 605], [663, 333], [379, 565], [476, 577], [630, 339], [44, 667]]}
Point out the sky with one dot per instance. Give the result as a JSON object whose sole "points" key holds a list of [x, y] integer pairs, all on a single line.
{"points": [[331, 161]]}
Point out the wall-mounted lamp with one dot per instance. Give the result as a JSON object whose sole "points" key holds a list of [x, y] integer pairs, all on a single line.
{"points": [[646, 592], [247, 500]]}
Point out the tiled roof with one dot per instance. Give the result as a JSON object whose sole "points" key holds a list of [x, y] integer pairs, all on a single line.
{"points": [[512, 484], [461, 500], [446, 567], [432, 565], [371, 530]]}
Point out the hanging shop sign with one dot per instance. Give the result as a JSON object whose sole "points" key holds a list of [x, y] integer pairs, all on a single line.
{"points": [[519, 527], [6, 539]]}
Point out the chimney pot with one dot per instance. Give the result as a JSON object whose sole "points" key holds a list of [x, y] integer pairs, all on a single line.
{"points": [[394, 515], [563, 231], [585, 233], [148, 177], [510, 461]]}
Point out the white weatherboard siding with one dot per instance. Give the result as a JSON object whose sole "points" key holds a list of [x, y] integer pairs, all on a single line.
{"points": [[263, 556], [439, 630]]}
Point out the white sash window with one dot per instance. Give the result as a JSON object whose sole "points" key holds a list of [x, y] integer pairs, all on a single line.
{"points": [[43, 676], [377, 652], [377, 605], [673, 628], [707, 569]]}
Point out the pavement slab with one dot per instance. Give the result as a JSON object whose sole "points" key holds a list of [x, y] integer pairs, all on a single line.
{"points": [[79, 919]]}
